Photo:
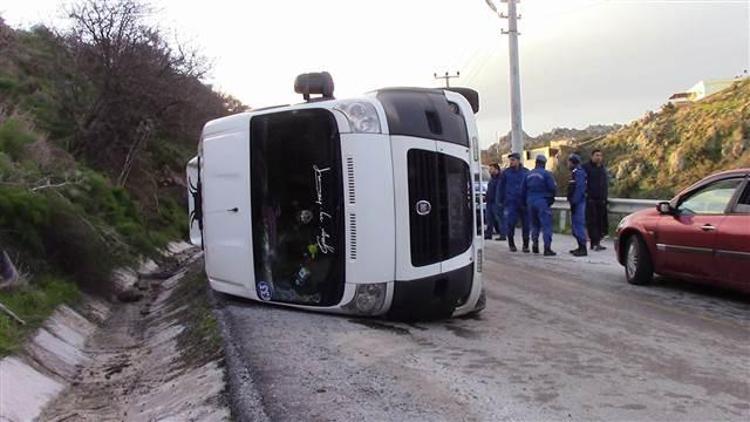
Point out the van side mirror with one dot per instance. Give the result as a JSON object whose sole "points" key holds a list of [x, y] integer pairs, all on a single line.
{"points": [[664, 208], [314, 83], [471, 96]]}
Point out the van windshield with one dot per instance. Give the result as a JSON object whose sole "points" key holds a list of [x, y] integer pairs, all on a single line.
{"points": [[297, 207]]}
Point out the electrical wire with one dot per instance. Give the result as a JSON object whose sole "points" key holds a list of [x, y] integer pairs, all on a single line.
{"points": [[677, 1]]}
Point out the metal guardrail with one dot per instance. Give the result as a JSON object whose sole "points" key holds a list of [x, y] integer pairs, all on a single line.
{"points": [[614, 206]]}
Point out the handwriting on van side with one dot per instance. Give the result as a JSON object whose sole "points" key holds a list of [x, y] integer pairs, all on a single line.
{"points": [[319, 182], [323, 241], [322, 237]]}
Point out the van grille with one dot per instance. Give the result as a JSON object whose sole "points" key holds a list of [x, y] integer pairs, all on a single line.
{"points": [[350, 179], [440, 201], [423, 188], [353, 236]]}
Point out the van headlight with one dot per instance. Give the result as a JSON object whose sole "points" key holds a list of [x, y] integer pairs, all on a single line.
{"points": [[362, 116], [368, 299]]}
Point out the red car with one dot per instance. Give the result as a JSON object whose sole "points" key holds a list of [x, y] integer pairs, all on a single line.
{"points": [[703, 234]]}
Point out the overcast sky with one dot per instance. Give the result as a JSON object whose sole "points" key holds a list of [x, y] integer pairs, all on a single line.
{"points": [[582, 61]]}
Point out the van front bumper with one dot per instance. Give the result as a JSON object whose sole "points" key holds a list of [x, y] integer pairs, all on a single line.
{"points": [[432, 297]]}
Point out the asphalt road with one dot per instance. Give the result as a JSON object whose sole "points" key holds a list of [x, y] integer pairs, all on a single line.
{"points": [[561, 338]]}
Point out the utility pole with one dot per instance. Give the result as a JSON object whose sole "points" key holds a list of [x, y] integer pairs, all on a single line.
{"points": [[447, 78], [516, 131]]}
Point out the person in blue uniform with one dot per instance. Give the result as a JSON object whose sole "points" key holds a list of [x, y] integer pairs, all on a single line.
{"points": [[514, 204], [494, 206], [539, 189], [577, 200]]}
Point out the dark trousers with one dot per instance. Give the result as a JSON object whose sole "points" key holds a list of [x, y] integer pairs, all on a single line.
{"points": [[540, 217], [578, 223], [494, 221], [512, 212], [596, 220]]}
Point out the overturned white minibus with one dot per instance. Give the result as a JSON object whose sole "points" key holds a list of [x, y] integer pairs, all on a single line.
{"points": [[365, 206]]}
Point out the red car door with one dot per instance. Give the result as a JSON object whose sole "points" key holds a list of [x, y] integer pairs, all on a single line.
{"points": [[687, 240], [733, 242], [686, 244]]}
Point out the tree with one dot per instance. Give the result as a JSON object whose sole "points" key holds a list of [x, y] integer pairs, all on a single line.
{"points": [[141, 84]]}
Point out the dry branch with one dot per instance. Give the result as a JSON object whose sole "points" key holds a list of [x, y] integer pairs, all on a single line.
{"points": [[11, 314]]}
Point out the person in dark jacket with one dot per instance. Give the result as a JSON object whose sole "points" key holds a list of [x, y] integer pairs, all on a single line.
{"points": [[514, 204], [577, 200], [500, 208], [494, 205], [539, 190], [596, 202]]}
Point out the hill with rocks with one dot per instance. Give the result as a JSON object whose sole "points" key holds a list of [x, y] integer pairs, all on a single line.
{"points": [[662, 152], [502, 147]]}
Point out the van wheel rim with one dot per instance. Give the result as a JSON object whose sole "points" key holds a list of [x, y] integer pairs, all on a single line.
{"points": [[632, 259]]}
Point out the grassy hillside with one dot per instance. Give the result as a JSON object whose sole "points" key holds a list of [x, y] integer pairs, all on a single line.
{"points": [[93, 143], [663, 152]]}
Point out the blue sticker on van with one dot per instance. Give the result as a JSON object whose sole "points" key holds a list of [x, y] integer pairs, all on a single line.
{"points": [[265, 291]]}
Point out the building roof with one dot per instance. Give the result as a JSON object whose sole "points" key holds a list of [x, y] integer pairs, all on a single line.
{"points": [[680, 96]]}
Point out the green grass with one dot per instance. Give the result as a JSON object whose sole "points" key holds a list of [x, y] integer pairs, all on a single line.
{"points": [[14, 137], [33, 303], [200, 342]]}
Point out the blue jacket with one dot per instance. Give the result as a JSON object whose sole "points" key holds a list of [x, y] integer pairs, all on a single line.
{"points": [[538, 184], [577, 185], [510, 185], [492, 187]]}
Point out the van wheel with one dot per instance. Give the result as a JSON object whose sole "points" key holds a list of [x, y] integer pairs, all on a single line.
{"points": [[639, 269]]}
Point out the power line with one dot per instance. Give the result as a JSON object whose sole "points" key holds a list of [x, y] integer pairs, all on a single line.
{"points": [[677, 1], [447, 78], [599, 3]]}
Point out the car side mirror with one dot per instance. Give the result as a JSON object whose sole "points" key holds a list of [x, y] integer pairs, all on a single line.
{"points": [[664, 208]]}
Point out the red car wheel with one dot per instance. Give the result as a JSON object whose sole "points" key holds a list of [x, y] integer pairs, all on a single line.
{"points": [[638, 267]]}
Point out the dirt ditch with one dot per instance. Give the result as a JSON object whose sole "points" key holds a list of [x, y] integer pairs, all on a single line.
{"points": [[157, 356]]}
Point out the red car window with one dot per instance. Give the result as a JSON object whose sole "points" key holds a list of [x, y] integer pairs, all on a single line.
{"points": [[711, 199], [743, 203]]}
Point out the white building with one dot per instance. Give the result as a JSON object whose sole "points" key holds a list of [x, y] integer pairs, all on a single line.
{"points": [[702, 89]]}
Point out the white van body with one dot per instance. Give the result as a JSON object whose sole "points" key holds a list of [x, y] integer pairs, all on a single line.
{"points": [[394, 241]]}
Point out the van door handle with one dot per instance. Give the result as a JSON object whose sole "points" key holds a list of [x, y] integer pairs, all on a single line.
{"points": [[708, 227]]}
